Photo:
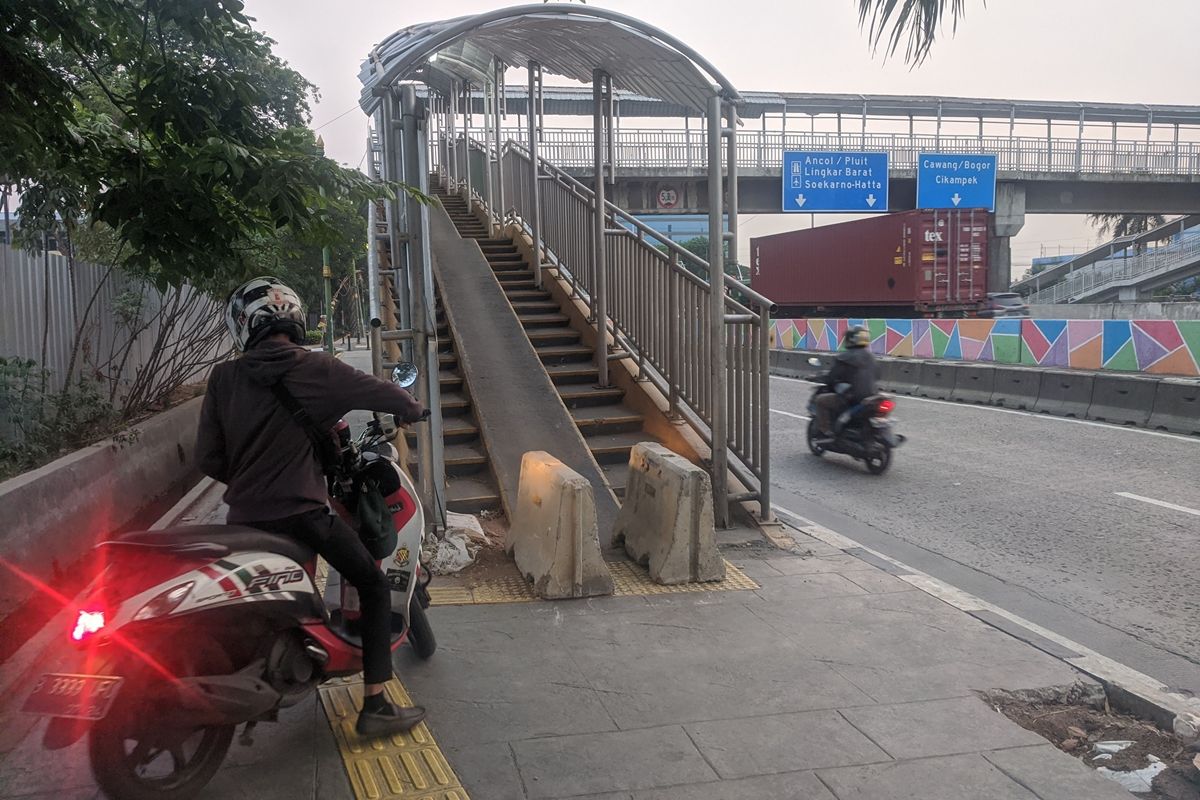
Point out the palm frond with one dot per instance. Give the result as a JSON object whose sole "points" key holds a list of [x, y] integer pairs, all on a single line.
{"points": [[890, 22]]}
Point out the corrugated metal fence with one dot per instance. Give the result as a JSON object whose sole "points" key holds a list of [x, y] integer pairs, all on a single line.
{"points": [[45, 304]]}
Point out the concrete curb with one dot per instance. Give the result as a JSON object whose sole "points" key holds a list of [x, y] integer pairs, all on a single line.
{"points": [[55, 514], [1152, 402], [1135, 691]]}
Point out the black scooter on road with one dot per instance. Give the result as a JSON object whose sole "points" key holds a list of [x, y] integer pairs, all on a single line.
{"points": [[865, 431]]}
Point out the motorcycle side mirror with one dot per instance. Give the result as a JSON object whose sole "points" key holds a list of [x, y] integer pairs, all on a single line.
{"points": [[814, 362], [387, 424], [405, 374]]}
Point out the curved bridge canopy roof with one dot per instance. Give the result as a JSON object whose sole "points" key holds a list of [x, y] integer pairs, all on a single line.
{"points": [[567, 40]]}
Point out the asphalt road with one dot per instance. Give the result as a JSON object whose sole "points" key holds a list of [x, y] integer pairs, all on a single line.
{"points": [[1090, 530]]}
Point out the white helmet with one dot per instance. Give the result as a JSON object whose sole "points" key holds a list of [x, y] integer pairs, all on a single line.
{"points": [[260, 307]]}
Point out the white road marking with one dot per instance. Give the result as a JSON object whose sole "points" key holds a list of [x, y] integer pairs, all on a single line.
{"points": [[1161, 503], [904, 398], [788, 414]]}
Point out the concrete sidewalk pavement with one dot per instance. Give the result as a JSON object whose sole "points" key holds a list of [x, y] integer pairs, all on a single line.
{"points": [[835, 679]]}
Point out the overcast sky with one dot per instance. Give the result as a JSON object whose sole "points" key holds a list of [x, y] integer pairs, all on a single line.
{"points": [[1097, 50]]}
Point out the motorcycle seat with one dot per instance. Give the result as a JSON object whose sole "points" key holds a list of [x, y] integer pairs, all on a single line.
{"points": [[215, 541]]}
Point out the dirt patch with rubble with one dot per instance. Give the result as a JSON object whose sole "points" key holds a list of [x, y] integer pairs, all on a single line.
{"points": [[1077, 724]]}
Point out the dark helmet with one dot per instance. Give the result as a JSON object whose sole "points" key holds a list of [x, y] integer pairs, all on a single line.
{"points": [[856, 337], [261, 307]]}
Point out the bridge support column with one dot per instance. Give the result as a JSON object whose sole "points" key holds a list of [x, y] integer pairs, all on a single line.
{"points": [[1133, 294], [1006, 223]]}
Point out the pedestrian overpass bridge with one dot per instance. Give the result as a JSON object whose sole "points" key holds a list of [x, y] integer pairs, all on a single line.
{"points": [[1127, 269], [1052, 157]]}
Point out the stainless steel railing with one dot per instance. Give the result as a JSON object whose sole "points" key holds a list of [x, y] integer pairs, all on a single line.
{"points": [[571, 148], [657, 298], [1135, 265]]}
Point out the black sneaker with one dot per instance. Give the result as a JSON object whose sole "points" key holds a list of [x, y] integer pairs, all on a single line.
{"points": [[390, 720]]}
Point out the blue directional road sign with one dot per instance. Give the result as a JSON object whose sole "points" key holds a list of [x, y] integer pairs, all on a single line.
{"points": [[953, 180], [853, 183]]}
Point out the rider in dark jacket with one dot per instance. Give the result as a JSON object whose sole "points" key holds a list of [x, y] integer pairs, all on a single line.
{"points": [[249, 441], [854, 370]]}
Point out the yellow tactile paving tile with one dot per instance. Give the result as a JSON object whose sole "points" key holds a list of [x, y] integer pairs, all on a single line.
{"points": [[629, 579], [410, 765]]}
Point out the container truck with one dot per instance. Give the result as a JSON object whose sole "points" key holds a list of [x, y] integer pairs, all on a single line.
{"points": [[909, 264]]}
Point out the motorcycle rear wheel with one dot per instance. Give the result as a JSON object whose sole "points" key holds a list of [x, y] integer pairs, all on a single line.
{"points": [[878, 459], [133, 758], [813, 434]]}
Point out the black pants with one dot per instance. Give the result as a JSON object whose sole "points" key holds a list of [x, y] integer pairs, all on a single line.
{"points": [[338, 543]]}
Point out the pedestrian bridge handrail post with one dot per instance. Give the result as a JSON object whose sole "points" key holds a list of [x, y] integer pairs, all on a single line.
{"points": [[658, 305], [677, 149]]}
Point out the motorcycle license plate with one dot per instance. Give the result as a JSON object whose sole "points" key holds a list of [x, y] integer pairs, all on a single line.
{"points": [[76, 696]]}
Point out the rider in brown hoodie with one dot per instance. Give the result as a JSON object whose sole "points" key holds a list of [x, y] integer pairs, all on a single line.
{"points": [[250, 442]]}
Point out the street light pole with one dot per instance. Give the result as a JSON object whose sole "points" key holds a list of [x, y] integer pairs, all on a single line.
{"points": [[327, 274]]}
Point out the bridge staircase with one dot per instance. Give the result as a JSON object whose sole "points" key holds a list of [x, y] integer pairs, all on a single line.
{"points": [[610, 427]]}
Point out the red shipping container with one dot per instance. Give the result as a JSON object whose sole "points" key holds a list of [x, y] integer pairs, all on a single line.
{"points": [[912, 263]]}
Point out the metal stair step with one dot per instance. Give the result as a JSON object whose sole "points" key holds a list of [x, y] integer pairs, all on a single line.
{"points": [[542, 320], [463, 458], [606, 419], [562, 355], [581, 395], [572, 373], [470, 494]]}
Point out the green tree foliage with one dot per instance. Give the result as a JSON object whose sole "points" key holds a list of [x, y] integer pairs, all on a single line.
{"points": [[170, 123]]}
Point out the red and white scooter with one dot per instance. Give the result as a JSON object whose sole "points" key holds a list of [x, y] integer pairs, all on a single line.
{"points": [[195, 630]]}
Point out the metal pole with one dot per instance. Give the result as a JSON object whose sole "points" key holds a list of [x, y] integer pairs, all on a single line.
{"points": [[764, 421], [327, 277], [938, 135], [424, 328], [376, 344], [392, 167], [535, 224], [716, 271], [452, 132], [488, 180], [466, 137], [610, 127], [731, 189], [497, 92], [674, 376], [599, 263], [1079, 144]]}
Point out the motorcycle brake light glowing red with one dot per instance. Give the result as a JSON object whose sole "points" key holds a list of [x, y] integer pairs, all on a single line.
{"points": [[884, 408], [87, 623]]}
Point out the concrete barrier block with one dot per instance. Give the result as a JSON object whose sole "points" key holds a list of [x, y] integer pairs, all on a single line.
{"points": [[1123, 399], [1065, 393], [974, 383], [1176, 406], [889, 371], [554, 537], [794, 363], [666, 522], [906, 376], [1014, 387], [937, 380]]}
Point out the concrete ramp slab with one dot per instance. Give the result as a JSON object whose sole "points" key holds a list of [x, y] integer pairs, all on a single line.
{"points": [[516, 404]]}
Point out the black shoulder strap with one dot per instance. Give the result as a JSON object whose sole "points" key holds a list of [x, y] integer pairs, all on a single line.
{"points": [[322, 444]]}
